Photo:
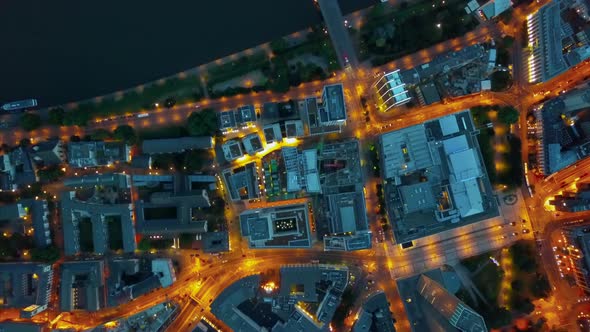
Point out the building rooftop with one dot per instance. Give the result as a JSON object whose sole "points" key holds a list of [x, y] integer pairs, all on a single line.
{"points": [[22, 327], [346, 212], [232, 150], [333, 106], [564, 130], [25, 284], [242, 182], [404, 151], [235, 119], [48, 153], [215, 242], [170, 213], [301, 170], [82, 286], [245, 115], [95, 153], [573, 201], [176, 145], [390, 90], [88, 223], [305, 301], [284, 226], [545, 37], [356, 241], [252, 143], [227, 120], [429, 93], [143, 161], [272, 133], [294, 129], [375, 315], [38, 210], [449, 306], [435, 168], [427, 306], [17, 169]]}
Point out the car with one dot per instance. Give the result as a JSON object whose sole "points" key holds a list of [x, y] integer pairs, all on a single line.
{"points": [[513, 223], [143, 115], [525, 231], [514, 234]]}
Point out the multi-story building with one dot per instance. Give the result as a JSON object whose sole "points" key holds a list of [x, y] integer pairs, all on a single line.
{"points": [[573, 201], [457, 313], [558, 39], [82, 286], [435, 178], [96, 153], [284, 226], [27, 217], [390, 91], [578, 243], [26, 286], [48, 153], [98, 210], [170, 206]]}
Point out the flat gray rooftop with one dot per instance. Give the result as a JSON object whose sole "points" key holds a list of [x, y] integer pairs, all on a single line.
{"points": [[436, 177]]}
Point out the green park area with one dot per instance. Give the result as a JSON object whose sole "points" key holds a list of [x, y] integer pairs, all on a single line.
{"points": [[501, 295], [509, 171], [165, 92], [288, 67], [394, 32]]}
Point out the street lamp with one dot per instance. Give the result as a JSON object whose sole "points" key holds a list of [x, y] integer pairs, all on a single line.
{"points": [[438, 25]]}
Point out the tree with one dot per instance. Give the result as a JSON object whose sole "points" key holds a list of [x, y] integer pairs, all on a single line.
{"points": [[517, 285], [25, 142], [101, 134], [508, 41], [78, 117], [195, 160], [540, 288], [47, 255], [501, 80], [279, 45], [523, 256], [522, 305], [30, 121], [144, 245], [508, 115], [499, 317], [125, 133], [56, 116], [202, 123], [50, 174]]}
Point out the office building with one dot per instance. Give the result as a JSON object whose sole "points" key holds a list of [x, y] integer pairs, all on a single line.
{"points": [[435, 177], [285, 226], [390, 91], [26, 286]]}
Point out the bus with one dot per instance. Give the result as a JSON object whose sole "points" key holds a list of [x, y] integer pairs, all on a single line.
{"points": [[19, 105]]}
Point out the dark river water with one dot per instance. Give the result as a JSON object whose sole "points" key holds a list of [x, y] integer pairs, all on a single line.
{"points": [[66, 50]]}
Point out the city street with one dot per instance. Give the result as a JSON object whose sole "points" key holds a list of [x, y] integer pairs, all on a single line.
{"points": [[198, 283]]}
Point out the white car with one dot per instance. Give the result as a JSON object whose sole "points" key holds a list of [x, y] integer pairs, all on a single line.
{"points": [[143, 115]]}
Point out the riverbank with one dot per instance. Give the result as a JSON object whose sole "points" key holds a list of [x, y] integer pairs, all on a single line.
{"points": [[69, 52]]}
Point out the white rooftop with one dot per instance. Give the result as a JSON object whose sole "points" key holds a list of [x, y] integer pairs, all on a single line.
{"points": [[455, 144], [449, 125], [467, 197], [465, 165]]}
